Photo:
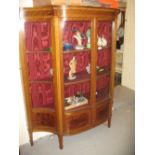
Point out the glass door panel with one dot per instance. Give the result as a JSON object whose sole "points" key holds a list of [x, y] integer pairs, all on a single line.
{"points": [[76, 37], [39, 62], [104, 33]]}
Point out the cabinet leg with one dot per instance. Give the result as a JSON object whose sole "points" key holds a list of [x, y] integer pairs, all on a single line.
{"points": [[31, 137], [109, 122], [60, 137]]}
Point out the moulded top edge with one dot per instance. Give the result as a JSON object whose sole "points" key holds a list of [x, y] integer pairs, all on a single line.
{"points": [[56, 10]]}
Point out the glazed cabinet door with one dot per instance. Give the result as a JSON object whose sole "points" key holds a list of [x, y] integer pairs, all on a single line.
{"points": [[103, 66], [76, 53], [103, 69], [39, 67]]}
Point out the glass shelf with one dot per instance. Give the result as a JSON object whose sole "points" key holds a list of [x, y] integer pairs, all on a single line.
{"points": [[80, 78], [104, 48], [76, 51], [38, 52], [105, 72], [43, 109], [41, 81]]}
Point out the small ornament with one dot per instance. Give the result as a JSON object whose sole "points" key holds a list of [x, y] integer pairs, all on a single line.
{"points": [[67, 46], [78, 37], [99, 69], [51, 72], [88, 68], [102, 42], [72, 65], [88, 34]]}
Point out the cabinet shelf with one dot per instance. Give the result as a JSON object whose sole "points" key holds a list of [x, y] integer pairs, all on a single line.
{"points": [[104, 48], [41, 81], [50, 110], [78, 108], [80, 78], [37, 52], [76, 51], [106, 72]]}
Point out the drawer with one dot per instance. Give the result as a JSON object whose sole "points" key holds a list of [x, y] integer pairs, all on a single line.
{"points": [[77, 122], [43, 120], [102, 112]]}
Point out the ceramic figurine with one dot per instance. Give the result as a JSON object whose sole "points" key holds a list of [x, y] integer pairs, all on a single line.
{"points": [[67, 46], [99, 69], [72, 65], [102, 42], [88, 68], [51, 72], [78, 37], [88, 34]]}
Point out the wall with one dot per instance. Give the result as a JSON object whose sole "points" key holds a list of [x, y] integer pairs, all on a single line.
{"points": [[128, 71]]}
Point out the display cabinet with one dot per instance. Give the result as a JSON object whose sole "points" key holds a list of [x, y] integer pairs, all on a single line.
{"points": [[67, 67]]}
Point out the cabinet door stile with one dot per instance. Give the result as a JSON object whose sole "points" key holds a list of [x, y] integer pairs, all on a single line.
{"points": [[93, 69], [58, 79], [113, 57]]}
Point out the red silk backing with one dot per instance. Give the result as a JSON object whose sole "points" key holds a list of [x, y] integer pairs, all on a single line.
{"points": [[103, 82], [71, 90], [82, 58], [42, 95], [105, 29], [70, 28], [104, 58], [38, 36], [39, 66]]}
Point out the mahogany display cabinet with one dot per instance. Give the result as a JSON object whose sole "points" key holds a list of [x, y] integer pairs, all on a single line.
{"points": [[67, 58]]}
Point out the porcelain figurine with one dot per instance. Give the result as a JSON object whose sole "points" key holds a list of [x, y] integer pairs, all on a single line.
{"points": [[67, 46], [102, 42], [78, 37], [88, 34], [51, 72], [72, 65], [88, 68]]}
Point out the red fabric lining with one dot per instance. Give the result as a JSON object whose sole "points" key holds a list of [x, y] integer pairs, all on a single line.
{"points": [[70, 27], [104, 58], [82, 58], [38, 35], [39, 66], [103, 82], [38, 39], [73, 89], [42, 95], [105, 29]]}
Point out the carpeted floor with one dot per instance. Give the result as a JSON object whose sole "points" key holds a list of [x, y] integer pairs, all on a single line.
{"points": [[117, 140]]}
